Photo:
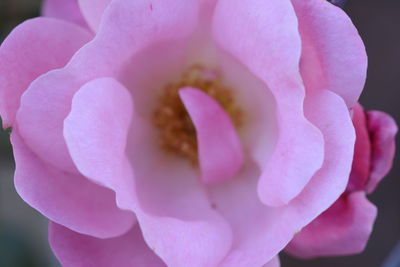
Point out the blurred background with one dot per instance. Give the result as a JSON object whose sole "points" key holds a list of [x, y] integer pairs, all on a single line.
{"points": [[23, 231]]}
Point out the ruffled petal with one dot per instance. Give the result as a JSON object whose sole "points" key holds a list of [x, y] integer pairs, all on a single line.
{"points": [[220, 151], [67, 199], [77, 250], [96, 130], [272, 54], [67, 10], [361, 168], [382, 129], [343, 229], [47, 101], [333, 54], [29, 52], [330, 114], [93, 10], [272, 228]]}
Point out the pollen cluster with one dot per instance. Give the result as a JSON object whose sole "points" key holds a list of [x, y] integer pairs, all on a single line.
{"points": [[177, 134]]}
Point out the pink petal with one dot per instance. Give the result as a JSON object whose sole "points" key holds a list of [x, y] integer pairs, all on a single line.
{"points": [[48, 99], [96, 130], [343, 229], [202, 242], [382, 129], [93, 10], [330, 114], [272, 228], [74, 249], [67, 10], [176, 216], [256, 239], [29, 52], [333, 54], [273, 54], [67, 199], [171, 206], [361, 168], [220, 151]]}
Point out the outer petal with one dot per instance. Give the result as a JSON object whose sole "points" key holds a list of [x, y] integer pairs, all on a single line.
{"points": [[382, 129], [272, 54], [343, 229], [361, 168], [29, 52], [330, 114], [97, 127], [93, 11], [333, 54], [272, 228], [67, 10], [96, 133], [48, 99], [76, 250], [220, 151], [67, 199]]}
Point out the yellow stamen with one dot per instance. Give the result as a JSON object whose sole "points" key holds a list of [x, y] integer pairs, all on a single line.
{"points": [[177, 132]]}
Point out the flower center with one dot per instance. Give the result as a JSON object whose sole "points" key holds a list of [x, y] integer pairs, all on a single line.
{"points": [[177, 134]]}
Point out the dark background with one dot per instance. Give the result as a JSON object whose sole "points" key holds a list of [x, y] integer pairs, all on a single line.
{"points": [[23, 239]]}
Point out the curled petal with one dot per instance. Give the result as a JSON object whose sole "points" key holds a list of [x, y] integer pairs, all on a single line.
{"points": [[219, 146], [330, 114], [96, 130]]}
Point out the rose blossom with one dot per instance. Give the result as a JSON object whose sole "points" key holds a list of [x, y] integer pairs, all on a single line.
{"points": [[181, 132]]}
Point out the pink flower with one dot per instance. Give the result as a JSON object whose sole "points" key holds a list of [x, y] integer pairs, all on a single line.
{"points": [[345, 227], [181, 132]]}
